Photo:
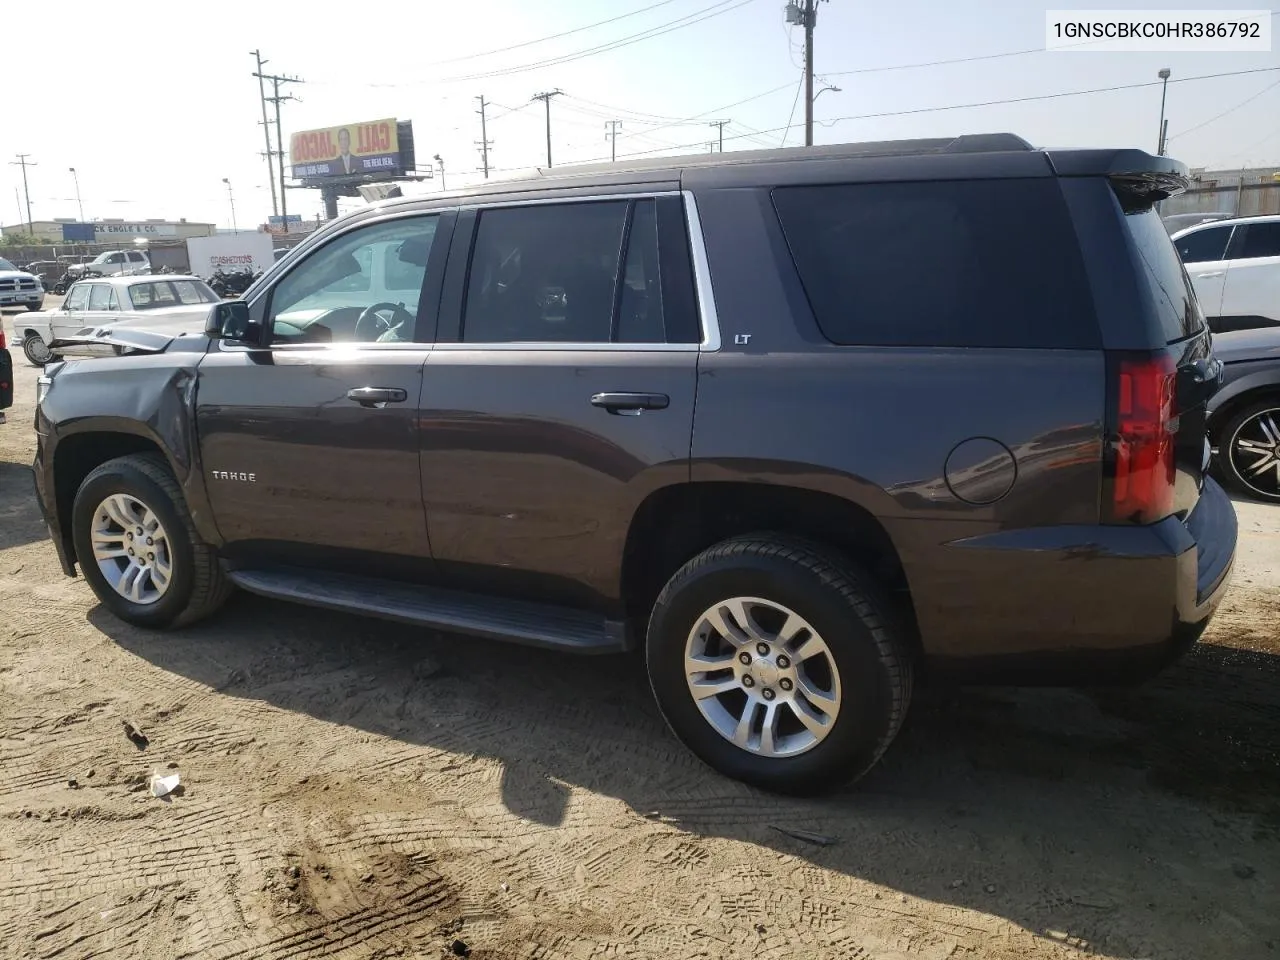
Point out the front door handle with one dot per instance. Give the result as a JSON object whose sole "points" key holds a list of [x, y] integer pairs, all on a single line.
{"points": [[631, 404], [1209, 276], [377, 396]]}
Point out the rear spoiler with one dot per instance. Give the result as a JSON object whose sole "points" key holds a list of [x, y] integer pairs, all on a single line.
{"points": [[126, 341], [1139, 179]]}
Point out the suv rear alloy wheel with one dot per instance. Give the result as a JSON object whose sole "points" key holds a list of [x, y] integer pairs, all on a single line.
{"points": [[138, 548], [36, 350], [775, 661], [1251, 453]]}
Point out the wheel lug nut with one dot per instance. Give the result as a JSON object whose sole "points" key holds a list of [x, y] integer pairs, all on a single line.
{"points": [[140, 531], [744, 658], [762, 649], [767, 693], [784, 662], [748, 681], [785, 683], [150, 541], [131, 551], [151, 556], [129, 536]]}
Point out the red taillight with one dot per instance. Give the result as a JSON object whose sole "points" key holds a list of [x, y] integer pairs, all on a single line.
{"points": [[2, 344], [1142, 484]]}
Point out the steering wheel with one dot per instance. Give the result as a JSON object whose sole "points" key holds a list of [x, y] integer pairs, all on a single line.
{"points": [[371, 324]]}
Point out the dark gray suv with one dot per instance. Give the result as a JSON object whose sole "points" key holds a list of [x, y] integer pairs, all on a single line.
{"points": [[803, 425]]}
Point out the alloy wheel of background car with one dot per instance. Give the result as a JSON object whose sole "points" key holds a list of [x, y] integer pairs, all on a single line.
{"points": [[762, 676], [1253, 451], [131, 548], [36, 350]]}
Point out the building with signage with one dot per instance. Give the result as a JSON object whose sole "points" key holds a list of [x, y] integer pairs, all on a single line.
{"points": [[111, 231]]}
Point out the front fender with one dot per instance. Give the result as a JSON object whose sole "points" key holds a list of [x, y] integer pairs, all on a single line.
{"points": [[1237, 387], [151, 397]]}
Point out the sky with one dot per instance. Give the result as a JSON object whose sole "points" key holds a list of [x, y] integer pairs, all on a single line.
{"points": [[168, 106]]}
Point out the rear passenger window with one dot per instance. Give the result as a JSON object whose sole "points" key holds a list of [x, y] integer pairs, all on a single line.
{"points": [[1260, 240], [1203, 246], [979, 263], [100, 297], [544, 273]]}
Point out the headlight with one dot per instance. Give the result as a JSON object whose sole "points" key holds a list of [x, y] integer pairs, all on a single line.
{"points": [[44, 384]]}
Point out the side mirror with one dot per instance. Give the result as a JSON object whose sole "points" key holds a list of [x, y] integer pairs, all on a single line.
{"points": [[230, 320]]}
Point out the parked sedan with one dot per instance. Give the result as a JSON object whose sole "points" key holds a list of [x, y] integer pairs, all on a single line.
{"points": [[1244, 416], [170, 302]]}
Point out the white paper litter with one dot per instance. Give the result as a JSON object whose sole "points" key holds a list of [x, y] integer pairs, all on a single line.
{"points": [[163, 786]]}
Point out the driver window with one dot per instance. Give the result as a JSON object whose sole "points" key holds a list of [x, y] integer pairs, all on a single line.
{"points": [[363, 286]]}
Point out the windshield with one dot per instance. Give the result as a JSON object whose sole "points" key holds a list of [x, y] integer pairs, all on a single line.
{"points": [[6, 265], [158, 294]]}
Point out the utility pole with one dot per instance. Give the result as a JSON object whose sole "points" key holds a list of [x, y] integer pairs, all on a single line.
{"points": [[79, 205], [721, 125], [810, 15], [484, 140], [23, 162], [612, 137], [1162, 140], [266, 131], [232, 200], [546, 101], [277, 100]]}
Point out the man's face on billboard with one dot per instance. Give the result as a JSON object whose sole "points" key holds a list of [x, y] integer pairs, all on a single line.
{"points": [[344, 141]]}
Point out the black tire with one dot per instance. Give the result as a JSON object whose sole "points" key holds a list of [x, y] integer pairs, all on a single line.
{"points": [[198, 586], [33, 348], [842, 603], [1233, 470], [33, 307]]}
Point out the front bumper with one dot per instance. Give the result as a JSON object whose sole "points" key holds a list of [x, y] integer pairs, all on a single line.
{"points": [[21, 298], [47, 498]]}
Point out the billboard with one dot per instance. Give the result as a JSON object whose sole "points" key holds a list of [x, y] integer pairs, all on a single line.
{"points": [[278, 226], [357, 149]]}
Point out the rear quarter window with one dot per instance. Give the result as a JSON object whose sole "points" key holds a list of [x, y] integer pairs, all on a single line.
{"points": [[977, 263], [1161, 272]]}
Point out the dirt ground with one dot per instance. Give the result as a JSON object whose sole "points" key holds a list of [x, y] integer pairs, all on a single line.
{"points": [[355, 789]]}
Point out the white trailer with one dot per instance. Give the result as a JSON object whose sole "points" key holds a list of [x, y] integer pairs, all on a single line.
{"points": [[230, 251]]}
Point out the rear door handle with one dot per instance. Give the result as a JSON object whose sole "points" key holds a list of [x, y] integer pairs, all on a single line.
{"points": [[1209, 276], [377, 396], [630, 403]]}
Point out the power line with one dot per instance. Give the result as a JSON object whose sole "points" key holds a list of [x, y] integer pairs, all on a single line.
{"points": [[553, 36], [706, 13], [1247, 100], [787, 129], [967, 106]]}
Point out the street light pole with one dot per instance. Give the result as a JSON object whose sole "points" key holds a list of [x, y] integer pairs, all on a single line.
{"points": [[232, 200], [79, 205], [1162, 140]]}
